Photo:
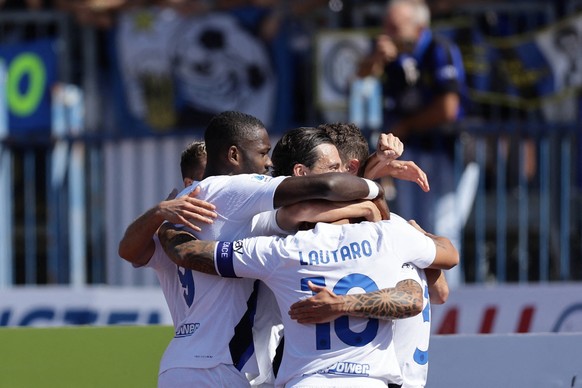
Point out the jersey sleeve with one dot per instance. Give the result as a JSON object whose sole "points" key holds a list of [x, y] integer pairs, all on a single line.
{"points": [[249, 258], [257, 192], [246, 195], [265, 224], [412, 246]]}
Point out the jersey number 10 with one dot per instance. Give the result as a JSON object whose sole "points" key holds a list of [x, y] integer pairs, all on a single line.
{"points": [[342, 324]]}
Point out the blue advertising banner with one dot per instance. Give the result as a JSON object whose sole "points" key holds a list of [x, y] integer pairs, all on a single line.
{"points": [[31, 71]]}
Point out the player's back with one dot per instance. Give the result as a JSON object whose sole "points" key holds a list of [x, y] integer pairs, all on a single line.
{"points": [[207, 308], [346, 259]]}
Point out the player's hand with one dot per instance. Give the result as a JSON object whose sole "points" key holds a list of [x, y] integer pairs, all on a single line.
{"points": [[323, 307], [409, 171], [389, 147], [187, 209]]}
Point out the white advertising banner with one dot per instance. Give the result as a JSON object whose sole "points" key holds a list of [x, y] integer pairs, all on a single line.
{"points": [[510, 309], [64, 306], [469, 310]]}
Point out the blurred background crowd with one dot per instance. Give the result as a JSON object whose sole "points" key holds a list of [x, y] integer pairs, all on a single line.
{"points": [[112, 89]]}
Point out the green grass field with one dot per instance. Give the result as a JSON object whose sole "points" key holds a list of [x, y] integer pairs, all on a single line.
{"points": [[104, 357]]}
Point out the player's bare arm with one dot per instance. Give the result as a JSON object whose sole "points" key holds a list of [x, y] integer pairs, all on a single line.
{"points": [[402, 301], [186, 251], [405, 170], [333, 186], [447, 255], [292, 216], [137, 245], [438, 288]]}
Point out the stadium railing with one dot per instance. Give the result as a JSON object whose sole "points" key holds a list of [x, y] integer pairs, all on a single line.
{"points": [[524, 226]]}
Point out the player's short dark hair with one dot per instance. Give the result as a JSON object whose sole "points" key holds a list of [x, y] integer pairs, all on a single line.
{"points": [[193, 160], [230, 128], [349, 140], [297, 146]]}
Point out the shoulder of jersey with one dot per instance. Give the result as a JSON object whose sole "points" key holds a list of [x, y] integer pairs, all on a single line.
{"points": [[261, 178], [188, 189]]}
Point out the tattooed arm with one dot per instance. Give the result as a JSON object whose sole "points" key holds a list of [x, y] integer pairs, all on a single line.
{"points": [[402, 301], [186, 251]]}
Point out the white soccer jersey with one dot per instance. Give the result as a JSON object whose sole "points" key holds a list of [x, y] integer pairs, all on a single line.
{"points": [[237, 198], [350, 258], [205, 309], [412, 335], [198, 301]]}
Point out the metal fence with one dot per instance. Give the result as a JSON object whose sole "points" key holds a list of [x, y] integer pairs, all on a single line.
{"points": [[65, 199]]}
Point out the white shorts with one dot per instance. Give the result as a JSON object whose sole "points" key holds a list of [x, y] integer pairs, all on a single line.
{"points": [[219, 376], [318, 381]]}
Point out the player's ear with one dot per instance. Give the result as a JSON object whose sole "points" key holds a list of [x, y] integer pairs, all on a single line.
{"points": [[187, 182], [233, 155], [300, 170], [353, 166]]}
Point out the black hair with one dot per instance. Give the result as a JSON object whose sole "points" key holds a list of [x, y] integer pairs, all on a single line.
{"points": [[297, 146], [230, 128], [349, 141]]}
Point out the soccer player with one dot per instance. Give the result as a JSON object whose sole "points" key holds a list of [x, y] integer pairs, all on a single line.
{"points": [[347, 258], [412, 335], [204, 353], [299, 152]]}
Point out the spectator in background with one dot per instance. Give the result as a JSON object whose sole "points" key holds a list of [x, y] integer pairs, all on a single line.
{"points": [[423, 80]]}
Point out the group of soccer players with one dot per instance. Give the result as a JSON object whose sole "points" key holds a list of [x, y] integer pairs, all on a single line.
{"points": [[274, 241]]}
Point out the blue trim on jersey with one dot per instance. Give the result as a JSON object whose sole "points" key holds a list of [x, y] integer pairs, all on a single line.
{"points": [[223, 258], [245, 357], [241, 345]]}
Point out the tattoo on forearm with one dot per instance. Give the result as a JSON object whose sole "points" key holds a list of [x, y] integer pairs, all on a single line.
{"points": [[197, 255], [390, 303], [187, 252]]}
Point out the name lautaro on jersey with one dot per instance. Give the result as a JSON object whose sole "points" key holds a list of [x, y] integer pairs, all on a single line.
{"points": [[351, 251]]}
